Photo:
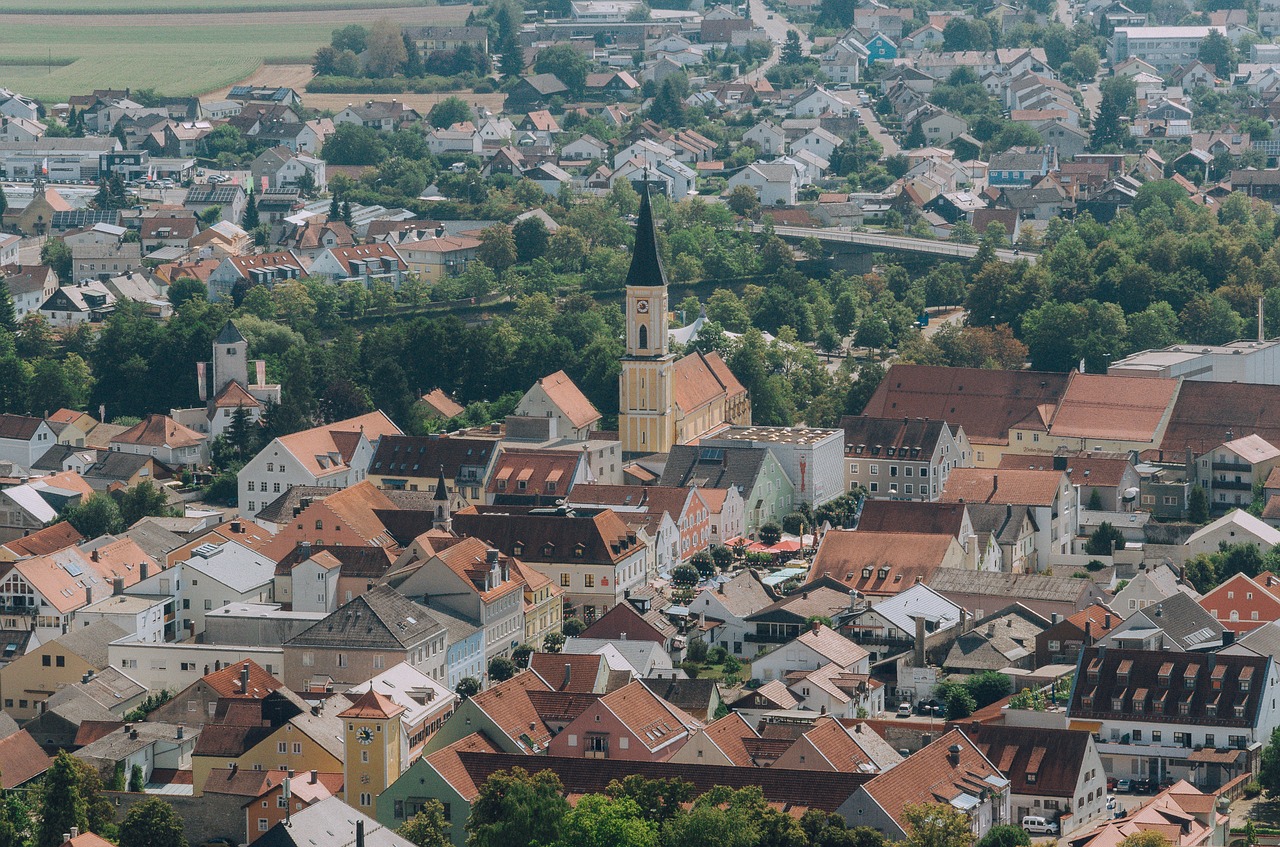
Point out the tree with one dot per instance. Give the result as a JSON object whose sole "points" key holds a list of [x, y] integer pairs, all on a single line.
{"points": [[8, 315], [704, 563], [791, 51], [353, 38], [152, 823], [770, 533], [667, 107], [449, 111], [553, 642], [145, 499], [137, 781], [960, 703], [520, 655], [1198, 506], [573, 627], [62, 806], [249, 222], [1118, 100], [937, 825], [1146, 838], [517, 809], [744, 201], [412, 58], [99, 515], [531, 238], [185, 289], [501, 669], [467, 687], [685, 576], [1005, 835], [1269, 766], [57, 255], [1106, 539], [497, 247], [987, 687], [1217, 52], [601, 821], [385, 54], [427, 828], [569, 65]]}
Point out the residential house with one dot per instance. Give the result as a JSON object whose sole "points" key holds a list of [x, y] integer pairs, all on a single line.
{"points": [[364, 264], [1236, 527], [312, 826], [24, 439], [590, 553], [27, 681], [882, 454], [1242, 603], [631, 724], [197, 704], [30, 286], [378, 115], [374, 631], [247, 271], [213, 575], [432, 259], [681, 512], [1150, 586], [414, 463], [1229, 472], [1002, 640], [1049, 494], [766, 490], [1176, 624], [556, 396], [474, 582], [881, 564], [1021, 166], [815, 647], [336, 455], [1157, 711], [84, 302], [893, 625], [100, 251], [1053, 773], [165, 439], [280, 167], [1061, 643], [775, 184], [230, 200], [769, 137], [842, 62], [952, 770]]}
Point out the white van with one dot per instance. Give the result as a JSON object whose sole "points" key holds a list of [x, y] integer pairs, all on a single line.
{"points": [[1039, 826]]}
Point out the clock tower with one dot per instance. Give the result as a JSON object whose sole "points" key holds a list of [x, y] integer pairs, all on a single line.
{"points": [[375, 749], [646, 402]]}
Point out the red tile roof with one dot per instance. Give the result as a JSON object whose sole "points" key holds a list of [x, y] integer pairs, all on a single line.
{"points": [[542, 538], [909, 557], [534, 472], [653, 721], [447, 763], [623, 622], [372, 705], [993, 485], [700, 378], [1204, 411], [226, 682], [730, 734], [51, 539], [160, 431], [1054, 756], [507, 705], [442, 403], [912, 516], [569, 399], [568, 672], [985, 402], [23, 759], [1118, 408], [933, 775]]}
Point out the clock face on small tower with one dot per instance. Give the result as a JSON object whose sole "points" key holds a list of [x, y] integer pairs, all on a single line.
{"points": [[642, 306], [364, 735]]}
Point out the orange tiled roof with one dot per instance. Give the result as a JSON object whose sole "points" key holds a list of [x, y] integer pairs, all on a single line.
{"points": [[324, 449], [652, 720], [227, 681], [372, 705], [569, 399], [988, 485], [845, 555], [159, 431], [1114, 407], [534, 472], [730, 734], [51, 539]]}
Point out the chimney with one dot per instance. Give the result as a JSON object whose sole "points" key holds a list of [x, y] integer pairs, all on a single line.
{"points": [[919, 657], [995, 483], [75, 831], [953, 754], [971, 547], [181, 731], [1107, 621], [991, 630], [359, 833], [117, 586], [315, 776], [815, 626], [237, 527], [1088, 633], [244, 679], [1228, 637], [568, 674], [95, 556], [88, 595], [144, 569]]}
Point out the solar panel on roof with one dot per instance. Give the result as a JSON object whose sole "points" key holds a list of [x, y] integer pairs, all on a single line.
{"points": [[711, 454], [72, 568]]}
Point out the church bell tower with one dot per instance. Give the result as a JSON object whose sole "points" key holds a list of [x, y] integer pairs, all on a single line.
{"points": [[646, 402]]}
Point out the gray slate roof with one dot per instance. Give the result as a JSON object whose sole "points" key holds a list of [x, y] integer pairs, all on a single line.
{"points": [[720, 467], [381, 619]]}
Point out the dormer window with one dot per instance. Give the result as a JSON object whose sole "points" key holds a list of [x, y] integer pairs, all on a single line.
{"points": [[1240, 710], [548, 549], [866, 573], [517, 549], [1117, 704]]}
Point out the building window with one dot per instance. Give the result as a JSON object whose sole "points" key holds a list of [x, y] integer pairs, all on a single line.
{"points": [[564, 580], [589, 580], [342, 660]]}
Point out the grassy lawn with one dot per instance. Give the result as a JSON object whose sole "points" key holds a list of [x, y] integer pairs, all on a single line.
{"points": [[717, 672]]}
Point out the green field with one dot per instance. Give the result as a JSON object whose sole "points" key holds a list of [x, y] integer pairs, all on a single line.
{"points": [[176, 55]]}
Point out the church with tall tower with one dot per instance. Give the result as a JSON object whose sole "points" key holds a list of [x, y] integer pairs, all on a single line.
{"points": [[224, 386], [663, 400]]}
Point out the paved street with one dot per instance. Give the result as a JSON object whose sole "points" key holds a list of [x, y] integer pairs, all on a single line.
{"points": [[777, 30]]}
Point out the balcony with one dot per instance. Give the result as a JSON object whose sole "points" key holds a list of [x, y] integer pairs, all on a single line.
{"points": [[1233, 467], [1231, 485]]}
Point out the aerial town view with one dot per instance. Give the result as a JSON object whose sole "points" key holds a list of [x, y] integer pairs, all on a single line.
{"points": [[640, 423]]}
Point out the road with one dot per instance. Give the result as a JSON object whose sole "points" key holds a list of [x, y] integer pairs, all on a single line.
{"points": [[897, 242], [877, 131], [777, 29], [1092, 97]]}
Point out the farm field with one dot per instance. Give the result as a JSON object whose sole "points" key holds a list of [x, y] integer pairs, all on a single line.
{"points": [[198, 7], [175, 54]]}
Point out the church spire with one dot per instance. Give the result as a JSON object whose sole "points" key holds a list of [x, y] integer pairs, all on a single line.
{"points": [[646, 263], [442, 490]]}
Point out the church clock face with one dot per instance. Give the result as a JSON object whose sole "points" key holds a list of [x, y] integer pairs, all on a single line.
{"points": [[642, 306], [364, 735]]}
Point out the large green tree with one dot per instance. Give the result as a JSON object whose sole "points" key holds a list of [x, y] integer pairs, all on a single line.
{"points": [[152, 823], [428, 828], [62, 805], [517, 809]]}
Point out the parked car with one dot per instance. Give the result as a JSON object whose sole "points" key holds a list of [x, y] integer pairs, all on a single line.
{"points": [[1111, 783], [1037, 825], [1111, 801], [904, 710], [1124, 786]]}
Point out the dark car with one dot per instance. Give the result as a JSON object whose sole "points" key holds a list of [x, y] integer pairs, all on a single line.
{"points": [[1142, 786], [934, 707]]}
